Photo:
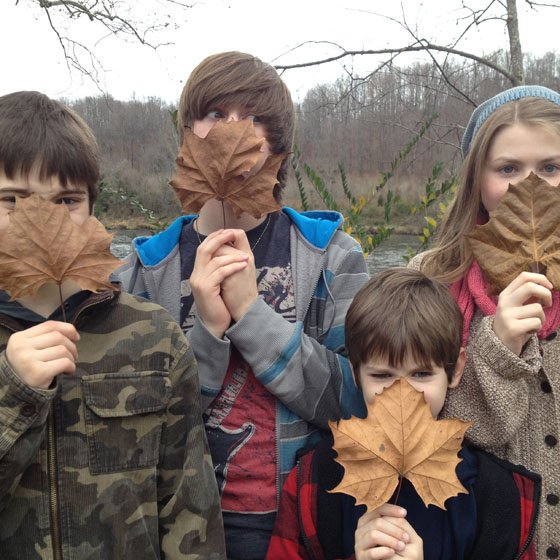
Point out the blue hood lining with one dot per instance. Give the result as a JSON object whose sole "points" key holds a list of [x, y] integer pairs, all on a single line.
{"points": [[316, 226]]}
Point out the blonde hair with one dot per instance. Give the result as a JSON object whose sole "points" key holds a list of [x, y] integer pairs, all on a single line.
{"points": [[450, 258]]}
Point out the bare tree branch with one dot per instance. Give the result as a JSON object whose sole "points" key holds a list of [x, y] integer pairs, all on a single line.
{"points": [[424, 46], [535, 5], [113, 18]]}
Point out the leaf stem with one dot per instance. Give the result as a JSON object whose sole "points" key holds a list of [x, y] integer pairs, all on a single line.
{"points": [[398, 490], [61, 302]]}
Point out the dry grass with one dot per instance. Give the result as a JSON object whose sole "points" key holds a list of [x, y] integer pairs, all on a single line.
{"points": [[154, 194], [406, 189]]}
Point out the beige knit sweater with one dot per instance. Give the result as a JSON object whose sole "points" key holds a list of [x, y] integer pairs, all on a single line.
{"points": [[514, 404]]}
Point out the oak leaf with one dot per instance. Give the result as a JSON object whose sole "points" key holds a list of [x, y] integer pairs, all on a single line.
{"points": [[42, 244], [521, 235], [218, 167], [399, 437]]}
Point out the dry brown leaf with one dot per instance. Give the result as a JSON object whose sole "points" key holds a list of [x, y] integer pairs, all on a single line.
{"points": [[217, 167], [42, 244], [399, 437], [521, 235]]}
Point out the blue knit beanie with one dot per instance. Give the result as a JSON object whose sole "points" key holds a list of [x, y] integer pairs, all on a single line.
{"points": [[484, 110]]}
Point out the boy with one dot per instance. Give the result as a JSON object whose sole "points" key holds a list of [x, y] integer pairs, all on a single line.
{"points": [[402, 324], [263, 301], [103, 452]]}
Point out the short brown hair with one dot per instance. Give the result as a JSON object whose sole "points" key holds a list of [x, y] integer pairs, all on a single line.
{"points": [[37, 132], [400, 312], [236, 79]]}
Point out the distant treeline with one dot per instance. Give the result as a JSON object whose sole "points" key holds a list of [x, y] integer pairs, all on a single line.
{"points": [[359, 123]]}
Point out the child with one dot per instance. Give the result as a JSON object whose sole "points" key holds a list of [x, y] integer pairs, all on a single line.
{"points": [[401, 324], [103, 452], [511, 385], [265, 316]]}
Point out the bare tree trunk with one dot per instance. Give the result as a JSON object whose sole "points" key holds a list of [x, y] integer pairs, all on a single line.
{"points": [[516, 54]]}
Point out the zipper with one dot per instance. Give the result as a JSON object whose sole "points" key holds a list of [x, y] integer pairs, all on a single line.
{"points": [[92, 302], [315, 284], [53, 487]]}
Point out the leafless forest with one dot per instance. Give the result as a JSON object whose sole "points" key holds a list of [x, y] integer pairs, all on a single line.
{"points": [[360, 124]]}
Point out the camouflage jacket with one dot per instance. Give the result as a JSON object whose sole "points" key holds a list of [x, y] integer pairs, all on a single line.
{"points": [[113, 462]]}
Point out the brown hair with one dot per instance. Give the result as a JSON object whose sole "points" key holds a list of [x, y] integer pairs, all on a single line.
{"points": [[450, 258], [236, 79], [39, 133], [399, 313]]}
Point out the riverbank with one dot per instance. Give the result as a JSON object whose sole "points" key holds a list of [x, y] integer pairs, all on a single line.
{"points": [[139, 223], [134, 223]]}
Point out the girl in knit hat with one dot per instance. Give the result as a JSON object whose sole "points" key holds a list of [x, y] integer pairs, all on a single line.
{"points": [[511, 385]]}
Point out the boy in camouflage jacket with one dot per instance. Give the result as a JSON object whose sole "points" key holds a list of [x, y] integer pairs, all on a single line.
{"points": [[102, 448]]}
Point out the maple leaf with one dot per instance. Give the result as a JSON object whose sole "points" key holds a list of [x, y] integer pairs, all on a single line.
{"points": [[399, 437], [218, 166], [521, 235], [42, 244]]}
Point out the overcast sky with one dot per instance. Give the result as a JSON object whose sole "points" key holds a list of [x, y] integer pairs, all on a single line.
{"points": [[32, 58]]}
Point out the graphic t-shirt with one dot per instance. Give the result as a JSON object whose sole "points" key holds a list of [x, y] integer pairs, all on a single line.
{"points": [[241, 421]]}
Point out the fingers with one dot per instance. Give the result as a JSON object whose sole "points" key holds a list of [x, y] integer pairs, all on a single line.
{"points": [[520, 312], [528, 286], [214, 241], [382, 533], [216, 259], [223, 266], [240, 242], [38, 354], [534, 277], [385, 509]]}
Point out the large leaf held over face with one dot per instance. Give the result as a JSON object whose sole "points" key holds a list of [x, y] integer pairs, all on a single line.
{"points": [[218, 167], [42, 244], [522, 234], [399, 437]]}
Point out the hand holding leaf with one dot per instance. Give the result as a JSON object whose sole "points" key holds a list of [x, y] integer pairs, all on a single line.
{"points": [[219, 166], [399, 437], [521, 235], [42, 244]]}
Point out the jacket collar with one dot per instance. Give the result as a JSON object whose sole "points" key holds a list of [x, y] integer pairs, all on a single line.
{"points": [[316, 226], [16, 317]]}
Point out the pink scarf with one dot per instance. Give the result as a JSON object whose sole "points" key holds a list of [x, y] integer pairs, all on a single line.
{"points": [[471, 292]]}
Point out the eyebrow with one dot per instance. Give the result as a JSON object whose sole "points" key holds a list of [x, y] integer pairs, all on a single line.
{"points": [[25, 190], [66, 192], [13, 190], [507, 159]]}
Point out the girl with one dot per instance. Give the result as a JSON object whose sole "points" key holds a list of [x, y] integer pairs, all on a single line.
{"points": [[511, 384]]}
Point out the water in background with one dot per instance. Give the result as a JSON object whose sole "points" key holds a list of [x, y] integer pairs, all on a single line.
{"points": [[389, 253], [121, 244]]}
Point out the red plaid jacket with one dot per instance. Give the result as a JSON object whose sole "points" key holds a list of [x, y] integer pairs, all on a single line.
{"points": [[300, 533]]}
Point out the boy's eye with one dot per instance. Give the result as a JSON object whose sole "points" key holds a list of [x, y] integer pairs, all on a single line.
{"points": [[380, 376], [254, 118], [68, 200], [216, 114], [550, 168], [8, 200], [422, 374]]}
